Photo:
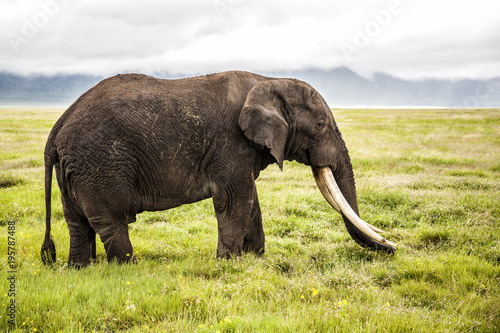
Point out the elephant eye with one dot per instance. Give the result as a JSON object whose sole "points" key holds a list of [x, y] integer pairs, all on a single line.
{"points": [[320, 125]]}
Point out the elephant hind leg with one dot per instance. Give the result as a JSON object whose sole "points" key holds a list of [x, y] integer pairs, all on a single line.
{"points": [[115, 237], [107, 218], [82, 247]]}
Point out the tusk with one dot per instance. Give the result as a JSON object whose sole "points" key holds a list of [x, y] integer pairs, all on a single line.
{"points": [[321, 181], [373, 228], [322, 184], [331, 191]]}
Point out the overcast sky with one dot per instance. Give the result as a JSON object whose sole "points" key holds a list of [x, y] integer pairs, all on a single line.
{"points": [[405, 38]]}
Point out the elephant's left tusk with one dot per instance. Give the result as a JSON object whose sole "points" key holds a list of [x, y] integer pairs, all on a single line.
{"points": [[331, 191]]}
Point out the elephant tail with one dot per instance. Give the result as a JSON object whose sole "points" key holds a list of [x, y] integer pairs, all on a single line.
{"points": [[48, 252]]}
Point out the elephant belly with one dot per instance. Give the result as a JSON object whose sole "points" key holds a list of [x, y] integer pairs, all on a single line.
{"points": [[170, 196]]}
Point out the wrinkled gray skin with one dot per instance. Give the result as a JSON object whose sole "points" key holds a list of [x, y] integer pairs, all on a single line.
{"points": [[135, 143]]}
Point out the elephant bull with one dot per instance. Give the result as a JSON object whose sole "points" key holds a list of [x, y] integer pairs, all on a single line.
{"points": [[135, 143]]}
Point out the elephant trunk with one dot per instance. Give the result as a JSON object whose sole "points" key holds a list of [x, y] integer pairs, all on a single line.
{"points": [[342, 197]]}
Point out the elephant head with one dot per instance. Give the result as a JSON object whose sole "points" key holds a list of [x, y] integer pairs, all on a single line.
{"points": [[293, 121]]}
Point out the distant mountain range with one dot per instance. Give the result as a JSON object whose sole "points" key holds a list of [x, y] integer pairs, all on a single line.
{"points": [[340, 87]]}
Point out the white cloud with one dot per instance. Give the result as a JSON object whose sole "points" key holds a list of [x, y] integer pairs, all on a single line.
{"points": [[411, 39]]}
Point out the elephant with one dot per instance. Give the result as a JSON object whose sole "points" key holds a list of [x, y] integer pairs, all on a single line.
{"points": [[136, 143]]}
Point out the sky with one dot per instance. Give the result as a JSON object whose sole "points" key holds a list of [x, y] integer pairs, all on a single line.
{"points": [[410, 39]]}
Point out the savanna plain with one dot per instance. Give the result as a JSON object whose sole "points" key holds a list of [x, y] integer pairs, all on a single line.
{"points": [[428, 178]]}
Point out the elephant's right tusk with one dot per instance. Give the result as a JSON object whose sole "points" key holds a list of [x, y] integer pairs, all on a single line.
{"points": [[331, 191], [373, 228]]}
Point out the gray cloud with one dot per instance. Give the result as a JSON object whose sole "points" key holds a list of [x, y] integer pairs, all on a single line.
{"points": [[411, 39]]}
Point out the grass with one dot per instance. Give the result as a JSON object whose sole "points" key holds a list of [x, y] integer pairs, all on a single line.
{"points": [[429, 178]]}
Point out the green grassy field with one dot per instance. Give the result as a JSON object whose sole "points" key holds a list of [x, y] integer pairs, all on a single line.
{"points": [[428, 178]]}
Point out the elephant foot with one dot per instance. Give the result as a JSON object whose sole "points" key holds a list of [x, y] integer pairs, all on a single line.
{"points": [[225, 252], [257, 251], [254, 242], [122, 259], [78, 265]]}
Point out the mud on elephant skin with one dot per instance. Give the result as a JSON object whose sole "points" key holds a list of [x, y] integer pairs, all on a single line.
{"points": [[135, 143]]}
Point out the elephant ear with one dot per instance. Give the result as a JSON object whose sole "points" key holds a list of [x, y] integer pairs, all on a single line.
{"points": [[262, 119]]}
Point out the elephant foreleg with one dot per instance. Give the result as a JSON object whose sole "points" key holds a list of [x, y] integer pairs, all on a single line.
{"points": [[238, 216], [254, 235], [93, 248]]}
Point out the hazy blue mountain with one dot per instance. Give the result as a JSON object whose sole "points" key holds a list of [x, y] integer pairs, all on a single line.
{"points": [[43, 90], [458, 93], [341, 87]]}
